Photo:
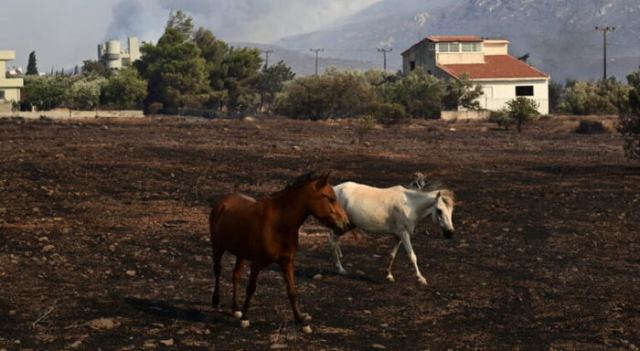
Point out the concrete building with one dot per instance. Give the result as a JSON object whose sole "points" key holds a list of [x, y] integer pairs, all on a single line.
{"points": [[113, 56], [486, 62], [9, 87]]}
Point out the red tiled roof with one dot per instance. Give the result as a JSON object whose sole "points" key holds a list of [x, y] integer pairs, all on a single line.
{"points": [[454, 38], [495, 66]]}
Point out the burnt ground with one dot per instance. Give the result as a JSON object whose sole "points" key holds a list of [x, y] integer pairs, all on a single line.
{"points": [[104, 243]]}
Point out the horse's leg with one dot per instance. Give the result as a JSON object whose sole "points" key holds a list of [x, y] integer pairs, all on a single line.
{"points": [[256, 267], [237, 275], [406, 240], [337, 252], [292, 291], [218, 252], [394, 252]]}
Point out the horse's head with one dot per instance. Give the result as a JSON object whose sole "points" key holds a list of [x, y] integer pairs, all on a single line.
{"points": [[443, 212], [323, 204], [419, 182]]}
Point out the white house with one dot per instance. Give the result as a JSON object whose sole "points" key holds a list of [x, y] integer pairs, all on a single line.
{"points": [[486, 62], [9, 87]]}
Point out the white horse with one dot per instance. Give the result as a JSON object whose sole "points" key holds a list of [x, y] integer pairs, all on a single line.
{"points": [[395, 211]]}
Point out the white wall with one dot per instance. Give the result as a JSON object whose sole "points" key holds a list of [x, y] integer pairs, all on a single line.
{"points": [[498, 93]]}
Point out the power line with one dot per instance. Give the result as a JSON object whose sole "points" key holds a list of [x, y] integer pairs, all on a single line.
{"points": [[384, 54], [605, 31], [266, 54], [317, 51]]}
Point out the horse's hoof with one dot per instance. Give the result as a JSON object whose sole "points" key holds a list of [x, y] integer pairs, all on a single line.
{"points": [[342, 271], [423, 281], [391, 278], [307, 329], [306, 317], [245, 323], [237, 314]]}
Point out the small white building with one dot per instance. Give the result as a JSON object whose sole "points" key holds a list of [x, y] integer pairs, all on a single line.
{"points": [[486, 62], [113, 56], [9, 87]]}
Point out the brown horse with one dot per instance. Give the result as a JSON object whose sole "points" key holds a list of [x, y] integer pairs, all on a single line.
{"points": [[265, 231]]}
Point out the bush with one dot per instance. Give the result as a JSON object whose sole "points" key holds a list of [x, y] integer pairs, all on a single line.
{"points": [[629, 125], [124, 90], [461, 93], [388, 113], [419, 93], [588, 98], [84, 94], [591, 127], [331, 95], [501, 118], [522, 109], [46, 93], [155, 108]]}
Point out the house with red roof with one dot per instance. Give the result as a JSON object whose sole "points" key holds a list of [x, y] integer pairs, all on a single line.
{"points": [[486, 62]]}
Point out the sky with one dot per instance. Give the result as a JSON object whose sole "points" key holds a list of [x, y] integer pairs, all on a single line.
{"points": [[65, 32]]}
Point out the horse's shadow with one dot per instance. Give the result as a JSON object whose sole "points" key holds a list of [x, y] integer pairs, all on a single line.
{"points": [[308, 273], [171, 310]]}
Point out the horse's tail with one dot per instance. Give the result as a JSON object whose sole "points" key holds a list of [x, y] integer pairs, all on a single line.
{"points": [[217, 208]]}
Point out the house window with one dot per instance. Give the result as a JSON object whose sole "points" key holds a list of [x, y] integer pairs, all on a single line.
{"points": [[443, 47], [525, 90], [470, 47], [2, 95], [412, 65], [454, 47]]}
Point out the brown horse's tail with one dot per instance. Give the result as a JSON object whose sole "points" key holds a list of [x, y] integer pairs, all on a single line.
{"points": [[216, 210]]}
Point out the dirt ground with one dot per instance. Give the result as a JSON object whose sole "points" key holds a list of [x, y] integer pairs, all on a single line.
{"points": [[104, 242]]}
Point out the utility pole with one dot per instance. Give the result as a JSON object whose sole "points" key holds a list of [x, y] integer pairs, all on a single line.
{"points": [[266, 54], [605, 31], [317, 51], [384, 54]]}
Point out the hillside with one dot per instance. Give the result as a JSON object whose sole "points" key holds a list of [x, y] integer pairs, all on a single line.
{"points": [[559, 35]]}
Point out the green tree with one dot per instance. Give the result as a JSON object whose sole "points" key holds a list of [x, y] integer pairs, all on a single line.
{"points": [[84, 93], [333, 94], [32, 66], [213, 51], [556, 91], [240, 68], [420, 94], [174, 68], [629, 125], [522, 109], [270, 82], [589, 98], [46, 93], [92, 67], [461, 93], [124, 90]]}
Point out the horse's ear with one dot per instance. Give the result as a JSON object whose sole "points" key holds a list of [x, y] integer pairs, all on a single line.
{"points": [[438, 196], [323, 180]]}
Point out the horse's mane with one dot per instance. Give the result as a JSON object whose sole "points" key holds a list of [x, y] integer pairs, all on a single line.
{"points": [[302, 181], [420, 183]]}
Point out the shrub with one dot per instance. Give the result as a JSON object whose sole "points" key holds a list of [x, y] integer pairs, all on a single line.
{"points": [[588, 98], [46, 93], [155, 108], [124, 90], [522, 109], [331, 95], [84, 94], [461, 93], [501, 118], [629, 125], [590, 127], [419, 93], [389, 113]]}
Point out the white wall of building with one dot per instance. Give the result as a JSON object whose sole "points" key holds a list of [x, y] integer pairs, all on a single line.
{"points": [[496, 93]]}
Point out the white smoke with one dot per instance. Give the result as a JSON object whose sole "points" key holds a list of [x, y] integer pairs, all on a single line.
{"points": [[234, 20]]}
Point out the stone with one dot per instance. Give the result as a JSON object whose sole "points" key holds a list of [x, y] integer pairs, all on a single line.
{"points": [[378, 347], [48, 248], [168, 342], [103, 324], [131, 273]]}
